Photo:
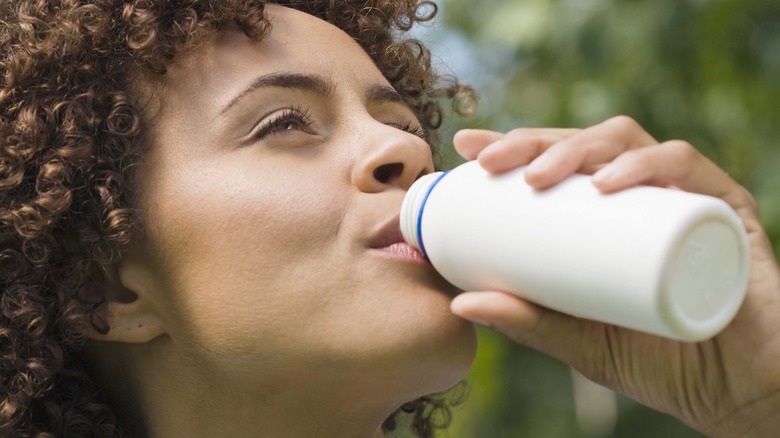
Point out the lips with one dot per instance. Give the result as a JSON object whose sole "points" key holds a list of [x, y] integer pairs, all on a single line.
{"points": [[388, 235], [389, 240], [405, 250]]}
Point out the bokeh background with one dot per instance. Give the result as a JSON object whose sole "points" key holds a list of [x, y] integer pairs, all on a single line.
{"points": [[707, 71]]}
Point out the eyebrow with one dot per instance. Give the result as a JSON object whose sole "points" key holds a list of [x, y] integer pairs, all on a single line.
{"points": [[315, 84]]}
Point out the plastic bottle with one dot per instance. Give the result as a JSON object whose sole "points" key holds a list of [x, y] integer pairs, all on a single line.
{"points": [[657, 260]]}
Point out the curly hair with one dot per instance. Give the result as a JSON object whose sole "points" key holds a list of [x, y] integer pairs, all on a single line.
{"points": [[71, 134]]}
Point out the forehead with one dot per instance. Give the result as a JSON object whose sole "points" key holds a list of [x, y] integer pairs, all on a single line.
{"points": [[211, 76]]}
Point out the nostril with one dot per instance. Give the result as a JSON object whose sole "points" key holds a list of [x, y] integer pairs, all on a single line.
{"points": [[387, 173]]}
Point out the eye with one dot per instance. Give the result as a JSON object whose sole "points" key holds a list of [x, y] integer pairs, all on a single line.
{"points": [[289, 120], [412, 128]]}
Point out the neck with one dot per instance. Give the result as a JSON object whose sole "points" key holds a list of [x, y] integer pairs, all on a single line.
{"points": [[305, 409], [173, 399]]}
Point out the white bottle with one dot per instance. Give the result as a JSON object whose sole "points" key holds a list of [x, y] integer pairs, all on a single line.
{"points": [[656, 260]]}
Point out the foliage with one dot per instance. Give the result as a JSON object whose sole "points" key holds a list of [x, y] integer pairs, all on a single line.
{"points": [[707, 71]]}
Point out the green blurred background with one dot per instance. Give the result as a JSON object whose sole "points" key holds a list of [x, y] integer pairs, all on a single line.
{"points": [[707, 71]]}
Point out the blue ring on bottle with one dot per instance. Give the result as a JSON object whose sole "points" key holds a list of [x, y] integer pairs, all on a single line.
{"points": [[422, 208]]}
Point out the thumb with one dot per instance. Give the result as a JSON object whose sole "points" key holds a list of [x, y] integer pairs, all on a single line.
{"points": [[612, 356], [551, 332]]}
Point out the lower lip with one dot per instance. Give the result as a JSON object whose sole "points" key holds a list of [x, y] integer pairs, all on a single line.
{"points": [[404, 252]]}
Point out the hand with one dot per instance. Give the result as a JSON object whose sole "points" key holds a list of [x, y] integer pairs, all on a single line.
{"points": [[727, 386]]}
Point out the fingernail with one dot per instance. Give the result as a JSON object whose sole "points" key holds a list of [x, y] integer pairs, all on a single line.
{"points": [[489, 148], [460, 305], [604, 174], [539, 164], [475, 320]]}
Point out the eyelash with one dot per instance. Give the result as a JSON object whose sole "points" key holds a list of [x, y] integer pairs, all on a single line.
{"points": [[302, 117], [280, 123], [414, 130]]}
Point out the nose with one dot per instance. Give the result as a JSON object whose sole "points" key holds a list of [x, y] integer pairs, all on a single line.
{"points": [[391, 158]]}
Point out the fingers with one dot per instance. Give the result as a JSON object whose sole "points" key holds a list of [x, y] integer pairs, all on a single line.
{"points": [[674, 162], [518, 146], [586, 150], [620, 152], [678, 164], [469, 142], [607, 354], [553, 153]]}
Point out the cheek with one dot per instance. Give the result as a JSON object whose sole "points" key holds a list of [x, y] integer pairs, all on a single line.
{"points": [[234, 210], [241, 251]]}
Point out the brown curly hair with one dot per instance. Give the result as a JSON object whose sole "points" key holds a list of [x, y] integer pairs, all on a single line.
{"points": [[71, 133]]}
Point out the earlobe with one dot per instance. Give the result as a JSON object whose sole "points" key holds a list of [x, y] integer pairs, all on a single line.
{"points": [[128, 308]]}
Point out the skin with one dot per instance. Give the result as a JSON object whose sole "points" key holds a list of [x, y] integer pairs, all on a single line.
{"points": [[725, 387], [257, 304]]}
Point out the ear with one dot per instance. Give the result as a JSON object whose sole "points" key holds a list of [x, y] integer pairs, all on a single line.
{"points": [[128, 291]]}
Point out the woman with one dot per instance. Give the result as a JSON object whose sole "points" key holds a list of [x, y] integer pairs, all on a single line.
{"points": [[210, 195]]}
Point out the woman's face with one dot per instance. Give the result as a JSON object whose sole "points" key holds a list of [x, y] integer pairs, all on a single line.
{"points": [[271, 192]]}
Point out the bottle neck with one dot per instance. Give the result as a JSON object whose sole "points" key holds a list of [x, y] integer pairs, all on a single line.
{"points": [[413, 207]]}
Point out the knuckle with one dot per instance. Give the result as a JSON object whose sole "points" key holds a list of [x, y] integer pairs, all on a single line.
{"points": [[750, 200], [741, 197], [684, 155], [523, 139], [683, 150], [624, 122], [516, 133], [635, 157], [519, 337]]}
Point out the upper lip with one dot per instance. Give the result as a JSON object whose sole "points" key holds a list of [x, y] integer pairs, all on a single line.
{"points": [[387, 234]]}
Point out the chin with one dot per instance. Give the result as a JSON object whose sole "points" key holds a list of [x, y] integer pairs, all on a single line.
{"points": [[457, 357], [441, 352], [409, 335]]}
